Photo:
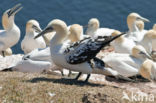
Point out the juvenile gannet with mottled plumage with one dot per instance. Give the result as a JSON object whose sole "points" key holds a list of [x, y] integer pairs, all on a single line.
{"points": [[29, 43], [125, 64], [148, 70], [75, 57], [93, 29], [134, 33], [147, 40], [11, 33], [122, 44]]}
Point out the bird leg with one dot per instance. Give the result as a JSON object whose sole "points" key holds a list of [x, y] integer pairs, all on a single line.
{"points": [[69, 73], [88, 75], [62, 73], [3, 54], [77, 77]]}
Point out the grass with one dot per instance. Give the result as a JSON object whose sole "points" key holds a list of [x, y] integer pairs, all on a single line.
{"points": [[35, 88]]}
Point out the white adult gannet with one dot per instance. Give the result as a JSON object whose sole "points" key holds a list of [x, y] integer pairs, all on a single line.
{"points": [[7, 52], [75, 57], [122, 44], [11, 33], [29, 43], [147, 40], [148, 70], [134, 33], [30, 66], [94, 31], [125, 64]]}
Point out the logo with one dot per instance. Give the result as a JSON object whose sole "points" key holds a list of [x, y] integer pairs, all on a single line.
{"points": [[138, 96]]}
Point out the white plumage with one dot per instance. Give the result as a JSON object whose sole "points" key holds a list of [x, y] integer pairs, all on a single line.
{"points": [[122, 44], [29, 43], [94, 31], [125, 64], [134, 33], [11, 33]]}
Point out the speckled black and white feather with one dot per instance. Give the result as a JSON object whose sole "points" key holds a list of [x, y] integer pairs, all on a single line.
{"points": [[87, 49]]}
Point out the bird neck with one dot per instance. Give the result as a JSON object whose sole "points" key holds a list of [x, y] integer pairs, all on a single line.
{"points": [[91, 31], [120, 39], [8, 23], [132, 25], [30, 31], [58, 39]]}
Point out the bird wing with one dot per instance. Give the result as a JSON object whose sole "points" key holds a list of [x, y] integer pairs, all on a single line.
{"points": [[39, 55], [122, 64], [2, 35], [84, 50]]}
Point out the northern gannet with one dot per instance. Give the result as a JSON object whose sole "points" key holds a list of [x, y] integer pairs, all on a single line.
{"points": [[11, 33], [94, 31], [125, 64], [30, 66], [134, 33], [148, 70], [147, 40], [75, 57], [7, 52], [29, 43], [122, 44]]}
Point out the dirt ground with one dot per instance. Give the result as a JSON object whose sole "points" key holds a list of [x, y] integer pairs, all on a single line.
{"points": [[16, 87]]}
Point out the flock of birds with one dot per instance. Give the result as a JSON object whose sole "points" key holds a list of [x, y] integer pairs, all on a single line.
{"points": [[60, 46]]}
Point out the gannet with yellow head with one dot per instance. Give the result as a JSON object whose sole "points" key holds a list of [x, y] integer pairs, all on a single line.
{"points": [[122, 44], [78, 58], [11, 33], [134, 33], [148, 70], [94, 29], [127, 64], [29, 43]]}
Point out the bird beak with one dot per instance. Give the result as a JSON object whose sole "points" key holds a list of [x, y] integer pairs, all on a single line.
{"points": [[46, 30], [85, 26], [37, 29], [14, 10], [146, 55], [143, 19]]}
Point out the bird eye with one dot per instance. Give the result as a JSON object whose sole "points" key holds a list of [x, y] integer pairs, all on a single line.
{"points": [[9, 12]]}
